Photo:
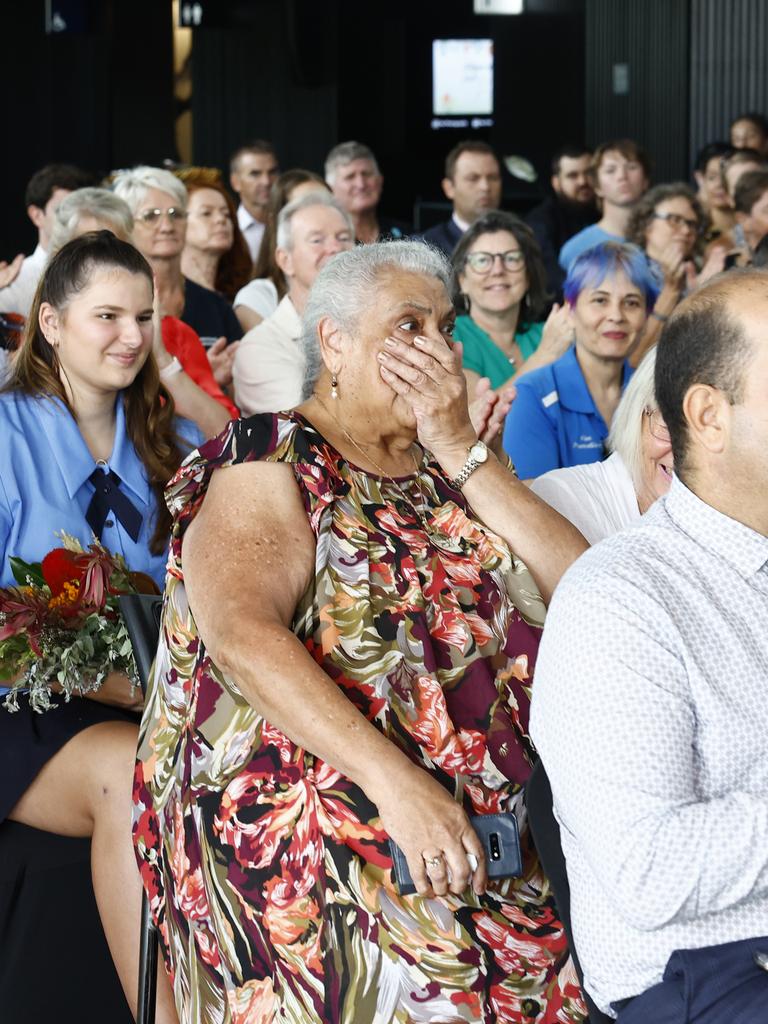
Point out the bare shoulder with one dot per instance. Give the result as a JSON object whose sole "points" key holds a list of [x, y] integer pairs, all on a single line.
{"points": [[251, 530]]}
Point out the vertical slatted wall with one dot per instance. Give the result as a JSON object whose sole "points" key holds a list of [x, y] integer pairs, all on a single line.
{"points": [[651, 37], [729, 65]]}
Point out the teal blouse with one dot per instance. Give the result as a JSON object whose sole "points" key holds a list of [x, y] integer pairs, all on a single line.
{"points": [[483, 356]]}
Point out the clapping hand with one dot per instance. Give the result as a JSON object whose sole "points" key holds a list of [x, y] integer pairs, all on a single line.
{"points": [[488, 411], [9, 272], [221, 357]]}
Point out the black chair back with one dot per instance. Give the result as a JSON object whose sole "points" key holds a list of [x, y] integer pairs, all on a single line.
{"points": [[546, 836], [141, 614]]}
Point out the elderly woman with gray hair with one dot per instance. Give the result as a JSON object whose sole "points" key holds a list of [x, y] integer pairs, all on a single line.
{"points": [[158, 202], [352, 614], [602, 498]]}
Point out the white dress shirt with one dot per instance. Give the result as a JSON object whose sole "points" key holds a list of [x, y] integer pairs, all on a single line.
{"points": [[599, 498], [650, 713], [251, 228], [18, 295], [268, 370]]}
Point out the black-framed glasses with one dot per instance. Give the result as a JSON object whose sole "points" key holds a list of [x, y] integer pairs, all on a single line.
{"points": [[173, 213], [656, 424], [482, 262], [676, 220]]}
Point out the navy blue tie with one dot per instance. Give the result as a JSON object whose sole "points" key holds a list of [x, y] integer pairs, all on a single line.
{"points": [[109, 498]]}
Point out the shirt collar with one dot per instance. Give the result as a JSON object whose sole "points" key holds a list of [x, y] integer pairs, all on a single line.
{"points": [[571, 386], [244, 218], [75, 461], [287, 318], [744, 548], [460, 224]]}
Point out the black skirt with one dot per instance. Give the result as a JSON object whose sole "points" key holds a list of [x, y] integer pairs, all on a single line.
{"points": [[29, 740]]}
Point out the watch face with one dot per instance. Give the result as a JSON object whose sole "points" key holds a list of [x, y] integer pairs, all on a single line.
{"points": [[478, 451]]}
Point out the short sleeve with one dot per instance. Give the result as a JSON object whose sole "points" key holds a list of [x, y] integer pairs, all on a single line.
{"points": [[259, 295], [530, 439]]}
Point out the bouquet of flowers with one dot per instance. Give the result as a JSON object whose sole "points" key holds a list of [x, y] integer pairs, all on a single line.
{"points": [[60, 628]]}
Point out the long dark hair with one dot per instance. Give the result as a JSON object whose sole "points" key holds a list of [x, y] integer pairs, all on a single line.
{"points": [[536, 303], [149, 408]]}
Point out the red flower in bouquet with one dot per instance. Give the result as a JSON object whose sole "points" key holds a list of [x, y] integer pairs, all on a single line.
{"points": [[60, 628]]}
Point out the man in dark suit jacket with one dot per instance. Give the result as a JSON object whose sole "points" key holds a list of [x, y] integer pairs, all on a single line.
{"points": [[473, 184]]}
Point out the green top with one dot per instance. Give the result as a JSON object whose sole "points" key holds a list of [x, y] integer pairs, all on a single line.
{"points": [[483, 355]]}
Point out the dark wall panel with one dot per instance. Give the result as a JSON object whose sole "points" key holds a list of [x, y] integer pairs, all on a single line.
{"points": [[729, 65], [650, 37]]}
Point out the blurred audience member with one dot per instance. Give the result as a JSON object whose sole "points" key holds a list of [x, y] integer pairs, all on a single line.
{"points": [[667, 224], [499, 281], [178, 352], [620, 174], [664, 825], [253, 169], [215, 253], [472, 182], [269, 365], [562, 412], [711, 190], [569, 209], [259, 298], [158, 202], [353, 174], [602, 498], [45, 190], [750, 131], [738, 162], [751, 205]]}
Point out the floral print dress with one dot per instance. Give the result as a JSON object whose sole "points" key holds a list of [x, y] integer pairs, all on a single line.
{"points": [[269, 872]]}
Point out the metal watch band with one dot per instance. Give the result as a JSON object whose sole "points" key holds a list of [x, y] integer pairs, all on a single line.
{"points": [[465, 472]]}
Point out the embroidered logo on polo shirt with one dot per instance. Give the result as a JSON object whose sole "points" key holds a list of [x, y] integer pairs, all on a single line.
{"points": [[550, 399]]}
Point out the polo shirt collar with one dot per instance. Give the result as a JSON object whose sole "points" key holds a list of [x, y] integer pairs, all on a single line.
{"points": [[286, 317], [743, 548], [571, 386], [73, 458]]}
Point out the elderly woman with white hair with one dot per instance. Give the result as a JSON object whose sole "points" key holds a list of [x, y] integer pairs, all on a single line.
{"points": [[158, 202], [350, 626], [602, 498], [181, 359]]}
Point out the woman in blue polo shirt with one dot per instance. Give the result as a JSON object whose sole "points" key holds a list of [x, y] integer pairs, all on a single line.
{"points": [[89, 441], [562, 412]]}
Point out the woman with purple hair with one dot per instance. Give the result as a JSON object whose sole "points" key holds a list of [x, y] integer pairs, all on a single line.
{"points": [[562, 412]]}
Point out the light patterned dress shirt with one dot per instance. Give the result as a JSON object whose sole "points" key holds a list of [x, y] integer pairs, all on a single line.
{"points": [[650, 711]]}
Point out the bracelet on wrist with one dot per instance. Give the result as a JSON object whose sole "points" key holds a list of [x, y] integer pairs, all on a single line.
{"points": [[171, 369], [661, 317]]}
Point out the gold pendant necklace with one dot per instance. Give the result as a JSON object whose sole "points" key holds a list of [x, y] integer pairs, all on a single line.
{"points": [[439, 539]]}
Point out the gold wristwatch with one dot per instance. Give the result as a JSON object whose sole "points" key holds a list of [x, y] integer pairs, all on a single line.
{"points": [[478, 454]]}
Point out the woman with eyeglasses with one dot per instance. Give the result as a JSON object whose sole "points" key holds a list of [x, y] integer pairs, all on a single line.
{"points": [[602, 498], [563, 412], [158, 202], [499, 281], [668, 224]]}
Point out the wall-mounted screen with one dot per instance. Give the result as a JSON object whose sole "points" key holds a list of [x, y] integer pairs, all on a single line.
{"points": [[462, 76]]}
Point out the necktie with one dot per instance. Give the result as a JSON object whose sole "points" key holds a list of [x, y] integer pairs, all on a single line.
{"points": [[108, 498]]}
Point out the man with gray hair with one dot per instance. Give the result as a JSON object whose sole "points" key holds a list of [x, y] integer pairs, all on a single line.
{"points": [[269, 364], [353, 175]]}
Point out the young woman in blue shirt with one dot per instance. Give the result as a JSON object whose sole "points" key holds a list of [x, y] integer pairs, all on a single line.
{"points": [[84, 397]]}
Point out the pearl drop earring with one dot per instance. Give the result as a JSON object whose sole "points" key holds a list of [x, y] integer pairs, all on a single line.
{"points": [[334, 386]]}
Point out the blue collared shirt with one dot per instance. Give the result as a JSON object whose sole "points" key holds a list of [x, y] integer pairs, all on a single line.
{"points": [[554, 421], [44, 487]]}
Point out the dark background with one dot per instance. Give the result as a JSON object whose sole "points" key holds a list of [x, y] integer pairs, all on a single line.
{"points": [[309, 73]]}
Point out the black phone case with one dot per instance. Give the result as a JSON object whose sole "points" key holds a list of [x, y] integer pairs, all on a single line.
{"points": [[501, 841]]}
